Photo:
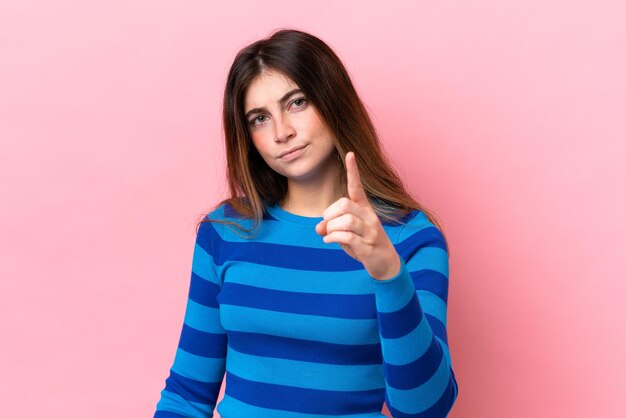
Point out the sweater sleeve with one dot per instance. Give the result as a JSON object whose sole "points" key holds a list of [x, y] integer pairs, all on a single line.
{"points": [[195, 378], [411, 311]]}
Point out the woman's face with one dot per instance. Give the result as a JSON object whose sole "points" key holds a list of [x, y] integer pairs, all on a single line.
{"points": [[279, 119]]}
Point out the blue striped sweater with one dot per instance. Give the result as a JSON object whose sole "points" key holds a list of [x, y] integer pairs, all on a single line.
{"points": [[298, 328]]}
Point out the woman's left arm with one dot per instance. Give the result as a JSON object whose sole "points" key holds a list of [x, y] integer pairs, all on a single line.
{"points": [[411, 290], [411, 309]]}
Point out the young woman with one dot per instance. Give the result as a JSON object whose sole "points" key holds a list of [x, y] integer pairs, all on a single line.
{"points": [[319, 288]]}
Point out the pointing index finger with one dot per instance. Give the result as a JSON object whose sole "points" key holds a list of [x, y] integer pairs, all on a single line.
{"points": [[355, 188]]}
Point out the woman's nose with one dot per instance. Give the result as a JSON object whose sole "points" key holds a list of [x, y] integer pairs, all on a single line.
{"points": [[283, 129]]}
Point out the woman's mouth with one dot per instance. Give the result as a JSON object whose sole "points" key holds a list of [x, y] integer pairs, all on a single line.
{"points": [[294, 154]]}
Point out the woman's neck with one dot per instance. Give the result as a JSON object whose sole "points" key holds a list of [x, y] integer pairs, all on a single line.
{"points": [[311, 199]]}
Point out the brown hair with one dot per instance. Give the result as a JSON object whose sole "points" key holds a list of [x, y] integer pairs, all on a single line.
{"points": [[317, 70]]}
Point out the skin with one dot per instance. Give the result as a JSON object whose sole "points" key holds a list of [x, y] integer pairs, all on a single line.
{"points": [[353, 223], [312, 177]]}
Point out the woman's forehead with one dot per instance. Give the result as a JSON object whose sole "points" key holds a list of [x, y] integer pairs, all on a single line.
{"points": [[267, 87]]}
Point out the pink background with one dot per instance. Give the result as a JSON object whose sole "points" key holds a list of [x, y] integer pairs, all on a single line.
{"points": [[505, 118]]}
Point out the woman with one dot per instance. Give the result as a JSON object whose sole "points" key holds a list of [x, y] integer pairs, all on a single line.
{"points": [[334, 301]]}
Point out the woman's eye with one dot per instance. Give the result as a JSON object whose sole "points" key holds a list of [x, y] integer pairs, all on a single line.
{"points": [[255, 121], [299, 102]]}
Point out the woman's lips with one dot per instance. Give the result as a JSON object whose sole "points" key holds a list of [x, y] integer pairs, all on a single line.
{"points": [[293, 154]]}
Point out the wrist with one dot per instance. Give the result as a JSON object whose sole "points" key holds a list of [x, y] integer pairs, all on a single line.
{"points": [[396, 267]]}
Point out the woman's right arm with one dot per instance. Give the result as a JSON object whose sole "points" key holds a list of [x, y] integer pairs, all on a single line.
{"points": [[195, 378]]}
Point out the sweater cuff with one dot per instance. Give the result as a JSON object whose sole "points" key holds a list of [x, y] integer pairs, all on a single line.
{"points": [[394, 293]]}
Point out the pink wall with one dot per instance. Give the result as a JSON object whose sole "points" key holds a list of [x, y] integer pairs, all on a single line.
{"points": [[506, 118]]}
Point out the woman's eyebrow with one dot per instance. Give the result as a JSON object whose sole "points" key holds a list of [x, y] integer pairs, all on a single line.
{"points": [[281, 101]]}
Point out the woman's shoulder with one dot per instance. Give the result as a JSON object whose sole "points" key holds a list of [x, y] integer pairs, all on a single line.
{"points": [[420, 228], [226, 210], [412, 217], [226, 219]]}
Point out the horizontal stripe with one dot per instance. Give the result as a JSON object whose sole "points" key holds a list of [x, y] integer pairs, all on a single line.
{"points": [[439, 329], [174, 405], [441, 408], [419, 236], [355, 282], [284, 236], [204, 259], [203, 291], [304, 350], [289, 256], [395, 349], [307, 327], [230, 406], [419, 399], [427, 258], [431, 281], [337, 306], [203, 318], [167, 414], [305, 375], [401, 322], [310, 401], [202, 369], [327, 258], [432, 304], [206, 344], [418, 372], [192, 390]]}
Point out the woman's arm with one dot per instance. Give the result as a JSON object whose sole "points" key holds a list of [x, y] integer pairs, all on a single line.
{"points": [[411, 310], [411, 305], [195, 378]]}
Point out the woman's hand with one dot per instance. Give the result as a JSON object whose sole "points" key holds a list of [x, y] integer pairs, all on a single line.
{"points": [[353, 223]]}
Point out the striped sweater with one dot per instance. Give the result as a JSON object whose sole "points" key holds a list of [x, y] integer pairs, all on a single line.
{"points": [[298, 328]]}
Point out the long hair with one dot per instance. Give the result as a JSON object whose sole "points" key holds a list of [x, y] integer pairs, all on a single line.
{"points": [[320, 74]]}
